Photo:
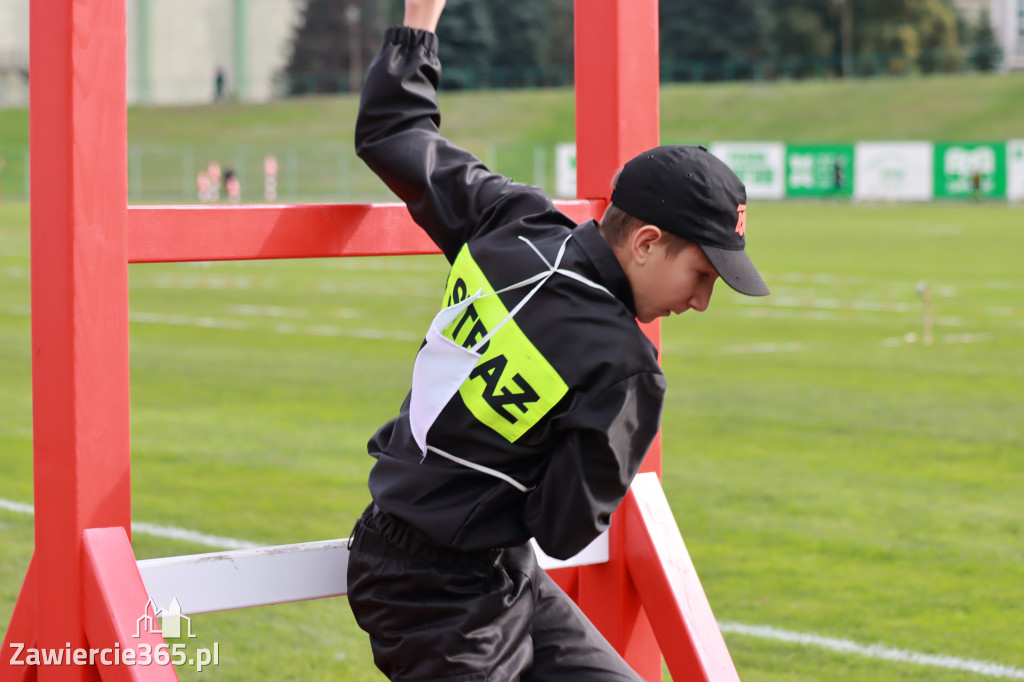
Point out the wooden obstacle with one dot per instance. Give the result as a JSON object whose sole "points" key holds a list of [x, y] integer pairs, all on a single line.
{"points": [[84, 588]]}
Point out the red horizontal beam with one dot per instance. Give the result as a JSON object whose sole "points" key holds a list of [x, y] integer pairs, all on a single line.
{"points": [[161, 234]]}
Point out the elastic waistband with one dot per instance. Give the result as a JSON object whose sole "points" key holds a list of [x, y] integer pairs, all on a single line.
{"points": [[414, 542]]}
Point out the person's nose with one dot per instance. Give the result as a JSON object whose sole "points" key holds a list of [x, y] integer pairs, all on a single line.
{"points": [[702, 297]]}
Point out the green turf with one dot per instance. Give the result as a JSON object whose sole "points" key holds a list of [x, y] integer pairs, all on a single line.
{"points": [[515, 131], [932, 108], [828, 475]]}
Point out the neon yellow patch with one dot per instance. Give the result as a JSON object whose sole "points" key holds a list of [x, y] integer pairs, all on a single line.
{"points": [[513, 386]]}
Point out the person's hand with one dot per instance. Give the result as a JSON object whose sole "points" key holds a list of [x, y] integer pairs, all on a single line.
{"points": [[423, 14]]}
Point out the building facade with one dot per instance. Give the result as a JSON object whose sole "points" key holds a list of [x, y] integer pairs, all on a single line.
{"points": [[176, 49], [13, 53], [1008, 22], [1007, 17]]}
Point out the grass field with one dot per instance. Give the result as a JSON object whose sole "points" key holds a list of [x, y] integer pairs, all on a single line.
{"points": [[515, 131], [830, 474]]}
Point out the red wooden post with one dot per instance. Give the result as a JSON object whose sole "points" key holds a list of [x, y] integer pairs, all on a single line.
{"points": [[617, 81], [79, 303], [617, 86], [116, 601], [672, 594]]}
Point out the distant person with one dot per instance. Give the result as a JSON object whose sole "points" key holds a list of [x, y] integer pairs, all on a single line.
{"points": [[219, 85], [976, 185], [232, 185], [837, 177], [203, 187], [535, 396]]}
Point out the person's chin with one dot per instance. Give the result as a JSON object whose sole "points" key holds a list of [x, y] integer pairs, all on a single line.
{"points": [[647, 318]]}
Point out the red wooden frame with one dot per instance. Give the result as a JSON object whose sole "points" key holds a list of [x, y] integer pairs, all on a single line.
{"points": [[82, 583]]}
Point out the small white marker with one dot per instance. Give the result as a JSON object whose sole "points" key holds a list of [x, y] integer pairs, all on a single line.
{"points": [[925, 294]]}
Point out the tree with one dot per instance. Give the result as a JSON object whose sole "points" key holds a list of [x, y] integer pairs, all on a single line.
{"points": [[534, 43], [911, 34], [900, 35], [808, 33], [805, 29], [559, 47], [707, 35], [334, 42], [503, 43], [467, 43], [985, 52], [523, 32]]}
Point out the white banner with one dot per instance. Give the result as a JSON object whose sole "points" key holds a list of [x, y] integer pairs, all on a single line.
{"points": [[1015, 170], [760, 165], [565, 170], [894, 170]]}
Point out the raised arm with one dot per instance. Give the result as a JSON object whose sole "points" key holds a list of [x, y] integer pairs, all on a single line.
{"points": [[447, 189], [423, 14]]}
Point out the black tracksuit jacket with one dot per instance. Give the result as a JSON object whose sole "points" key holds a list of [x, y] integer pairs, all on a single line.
{"points": [[566, 400]]}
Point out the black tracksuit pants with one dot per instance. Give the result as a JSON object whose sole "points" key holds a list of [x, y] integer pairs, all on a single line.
{"points": [[439, 614]]}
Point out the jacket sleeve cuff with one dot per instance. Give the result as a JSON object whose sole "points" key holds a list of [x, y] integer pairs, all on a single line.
{"points": [[411, 38]]}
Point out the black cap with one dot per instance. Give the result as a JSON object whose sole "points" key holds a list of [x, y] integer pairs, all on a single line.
{"points": [[691, 193]]}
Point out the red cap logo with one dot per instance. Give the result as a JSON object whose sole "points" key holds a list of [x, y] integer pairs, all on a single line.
{"points": [[741, 219]]}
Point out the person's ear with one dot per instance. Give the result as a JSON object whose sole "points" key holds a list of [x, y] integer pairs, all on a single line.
{"points": [[643, 242]]}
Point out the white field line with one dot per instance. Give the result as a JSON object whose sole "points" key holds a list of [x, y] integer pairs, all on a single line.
{"points": [[206, 322], [913, 337], [198, 281], [381, 335], [201, 281], [815, 315], [225, 283], [16, 507], [830, 279], [167, 532], [757, 348], [835, 304], [402, 264], [386, 264], [798, 346], [253, 311], [185, 535], [283, 328], [807, 639], [266, 311], [819, 303], [877, 651]]}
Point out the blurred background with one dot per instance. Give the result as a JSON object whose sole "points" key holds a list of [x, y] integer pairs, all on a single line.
{"points": [[194, 51], [184, 55]]}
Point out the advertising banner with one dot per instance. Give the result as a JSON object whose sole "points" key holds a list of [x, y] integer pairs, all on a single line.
{"points": [[1015, 170], [760, 165], [894, 171], [971, 170], [565, 170], [819, 170]]}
